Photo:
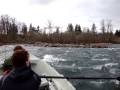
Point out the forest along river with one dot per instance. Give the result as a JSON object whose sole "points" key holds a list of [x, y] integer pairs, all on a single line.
{"points": [[87, 62]]}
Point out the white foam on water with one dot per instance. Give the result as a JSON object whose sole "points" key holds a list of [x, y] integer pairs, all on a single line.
{"points": [[110, 48], [4, 56], [67, 51], [5, 52], [110, 64], [97, 83], [73, 65], [103, 59], [65, 66], [80, 68], [97, 57], [51, 58], [97, 67], [69, 67]]}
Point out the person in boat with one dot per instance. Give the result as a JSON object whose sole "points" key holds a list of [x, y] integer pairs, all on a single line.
{"points": [[21, 77], [7, 65]]}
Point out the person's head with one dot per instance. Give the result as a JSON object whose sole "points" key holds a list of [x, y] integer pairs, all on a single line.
{"points": [[18, 48], [19, 58]]}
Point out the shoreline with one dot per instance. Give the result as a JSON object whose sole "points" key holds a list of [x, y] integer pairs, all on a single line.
{"points": [[41, 44], [92, 45]]}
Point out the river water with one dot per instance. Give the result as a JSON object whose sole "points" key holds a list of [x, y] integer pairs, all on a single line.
{"points": [[84, 62]]}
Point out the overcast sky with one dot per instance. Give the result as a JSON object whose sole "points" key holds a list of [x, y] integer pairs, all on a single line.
{"points": [[62, 12]]}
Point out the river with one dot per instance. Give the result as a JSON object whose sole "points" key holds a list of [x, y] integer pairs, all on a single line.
{"points": [[87, 62]]}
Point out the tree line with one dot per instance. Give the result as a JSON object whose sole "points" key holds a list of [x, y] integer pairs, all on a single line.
{"points": [[12, 31]]}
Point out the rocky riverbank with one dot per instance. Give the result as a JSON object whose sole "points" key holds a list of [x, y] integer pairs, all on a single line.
{"points": [[41, 44], [93, 45]]}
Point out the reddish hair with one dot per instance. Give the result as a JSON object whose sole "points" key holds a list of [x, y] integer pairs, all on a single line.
{"points": [[18, 48], [19, 58]]}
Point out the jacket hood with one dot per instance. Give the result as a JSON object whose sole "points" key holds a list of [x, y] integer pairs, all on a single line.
{"points": [[20, 75]]}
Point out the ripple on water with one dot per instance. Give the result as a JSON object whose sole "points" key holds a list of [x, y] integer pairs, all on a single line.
{"points": [[97, 67], [97, 83], [110, 64], [107, 65], [100, 57]]}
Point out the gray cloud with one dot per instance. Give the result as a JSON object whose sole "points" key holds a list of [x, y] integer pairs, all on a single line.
{"points": [[110, 7], [91, 10], [44, 2], [101, 9]]}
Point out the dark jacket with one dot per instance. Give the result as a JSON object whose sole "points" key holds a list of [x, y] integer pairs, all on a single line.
{"points": [[21, 79]]}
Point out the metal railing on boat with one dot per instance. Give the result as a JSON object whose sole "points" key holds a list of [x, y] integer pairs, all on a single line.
{"points": [[82, 78]]}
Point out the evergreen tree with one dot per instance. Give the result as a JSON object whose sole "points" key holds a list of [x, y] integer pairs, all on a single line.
{"points": [[78, 28], [24, 30], [117, 33], [93, 29], [38, 28], [30, 27], [70, 28], [57, 30]]}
